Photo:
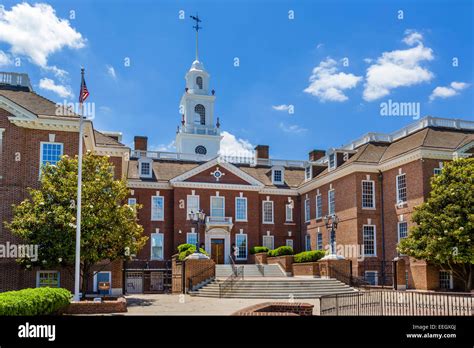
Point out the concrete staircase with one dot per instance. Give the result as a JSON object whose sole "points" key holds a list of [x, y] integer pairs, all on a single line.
{"points": [[224, 271], [281, 288]]}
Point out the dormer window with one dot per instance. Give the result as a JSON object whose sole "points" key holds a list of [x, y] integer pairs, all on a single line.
{"points": [[332, 161], [278, 176], [145, 168], [199, 82], [307, 172]]}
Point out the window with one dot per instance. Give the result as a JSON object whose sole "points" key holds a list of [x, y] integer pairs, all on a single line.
{"points": [[307, 173], [50, 153], [47, 279], [368, 196], [307, 212], [445, 280], [307, 242], [289, 242], [240, 209], [192, 238], [319, 206], [200, 110], [200, 150], [157, 208], [192, 204], [331, 203], [199, 82], [241, 245], [437, 171], [369, 240], [289, 212], [320, 241], [371, 277], [217, 206], [401, 189], [277, 176], [144, 168], [268, 242], [402, 230], [157, 246], [268, 212], [332, 161], [132, 202]]}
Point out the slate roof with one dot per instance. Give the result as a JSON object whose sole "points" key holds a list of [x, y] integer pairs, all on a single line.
{"points": [[102, 139]]}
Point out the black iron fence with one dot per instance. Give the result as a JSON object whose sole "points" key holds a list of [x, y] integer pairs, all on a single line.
{"points": [[398, 303], [140, 281], [377, 272]]}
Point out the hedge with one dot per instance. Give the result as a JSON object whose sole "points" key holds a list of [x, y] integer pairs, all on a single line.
{"points": [[188, 251], [309, 256], [39, 301], [258, 249], [283, 250], [184, 247]]}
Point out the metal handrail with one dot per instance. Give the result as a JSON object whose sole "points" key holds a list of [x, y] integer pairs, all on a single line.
{"points": [[231, 280], [349, 279], [192, 280], [261, 269]]}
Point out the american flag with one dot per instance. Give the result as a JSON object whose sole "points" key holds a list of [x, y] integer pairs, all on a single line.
{"points": [[84, 92]]}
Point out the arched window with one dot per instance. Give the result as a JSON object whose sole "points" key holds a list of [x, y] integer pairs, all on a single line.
{"points": [[201, 110], [200, 150], [199, 82]]}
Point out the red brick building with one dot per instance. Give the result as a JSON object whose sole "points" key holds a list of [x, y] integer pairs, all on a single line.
{"points": [[371, 184]]}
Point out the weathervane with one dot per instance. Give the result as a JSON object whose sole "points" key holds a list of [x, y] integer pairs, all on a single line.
{"points": [[197, 27]]}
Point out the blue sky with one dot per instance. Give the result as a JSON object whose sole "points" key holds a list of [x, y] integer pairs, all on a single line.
{"points": [[402, 57]]}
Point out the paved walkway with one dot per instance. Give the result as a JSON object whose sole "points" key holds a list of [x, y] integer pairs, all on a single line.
{"points": [[161, 304]]}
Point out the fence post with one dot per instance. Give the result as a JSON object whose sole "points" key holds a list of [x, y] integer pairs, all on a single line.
{"points": [[337, 305]]}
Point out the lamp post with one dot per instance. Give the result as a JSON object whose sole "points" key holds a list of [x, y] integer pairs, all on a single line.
{"points": [[197, 218], [331, 222]]}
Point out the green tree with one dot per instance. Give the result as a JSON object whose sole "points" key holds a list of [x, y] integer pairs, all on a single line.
{"points": [[109, 228], [443, 234]]}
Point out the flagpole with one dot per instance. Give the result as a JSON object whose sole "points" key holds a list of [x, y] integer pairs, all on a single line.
{"points": [[77, 278]]}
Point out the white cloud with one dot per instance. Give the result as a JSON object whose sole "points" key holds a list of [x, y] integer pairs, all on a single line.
{"points": [[368, 60], [170, 147], [292, 128], [50, 85], [232, 146], [399, 68], [105, 109], [328, 84], [319, 45], [111, 71], [447, 92], [36, 32], [282, 107], [4, 59]]}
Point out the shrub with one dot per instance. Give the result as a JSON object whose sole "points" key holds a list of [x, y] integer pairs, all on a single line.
{"points": [[39, 301], [283, 250], [309, 256], [185, 246], [258, 249], [189, 251]]}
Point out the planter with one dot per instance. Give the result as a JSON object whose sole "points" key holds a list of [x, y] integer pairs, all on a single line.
{"points": [[306, 269], [284, 261], [90, 307], [260, 258]]}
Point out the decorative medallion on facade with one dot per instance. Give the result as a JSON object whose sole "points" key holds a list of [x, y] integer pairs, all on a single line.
{"points": [[217, 174]]}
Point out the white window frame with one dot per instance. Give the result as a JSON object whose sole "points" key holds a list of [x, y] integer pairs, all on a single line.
{"points": [[132, 202], [150, 163], [162, 246], [96, 286], [246, 246], [372, 183], [48, 272], [307, 242], [263, 212], [376, 276], [290, 243], [308, 172], [282, 171], [307, 210], [288, 213], [153, 217], [319, 241], [398, 229], [399, 201], [375, 240], [189, 234], [41, 151], [319, 206], [437, 171], [450, 273], [272, 241], [188, 210], [236, 214], [334, 156], [223, 206], [333, 210]]}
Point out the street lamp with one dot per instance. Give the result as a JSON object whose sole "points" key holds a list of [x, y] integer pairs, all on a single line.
{"points": [[331, 222], [197, 218]]}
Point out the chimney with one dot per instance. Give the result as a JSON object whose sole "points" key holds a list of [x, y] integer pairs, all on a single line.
{"points": [[316, 154], [262, 151], [141, 143]]}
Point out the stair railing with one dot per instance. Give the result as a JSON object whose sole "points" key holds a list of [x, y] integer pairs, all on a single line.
{"points": [[236, 275], [349, 279], [261, 269], [206, 274]]}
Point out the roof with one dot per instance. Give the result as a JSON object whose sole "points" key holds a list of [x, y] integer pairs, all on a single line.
{"points": [[102, 139]]}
